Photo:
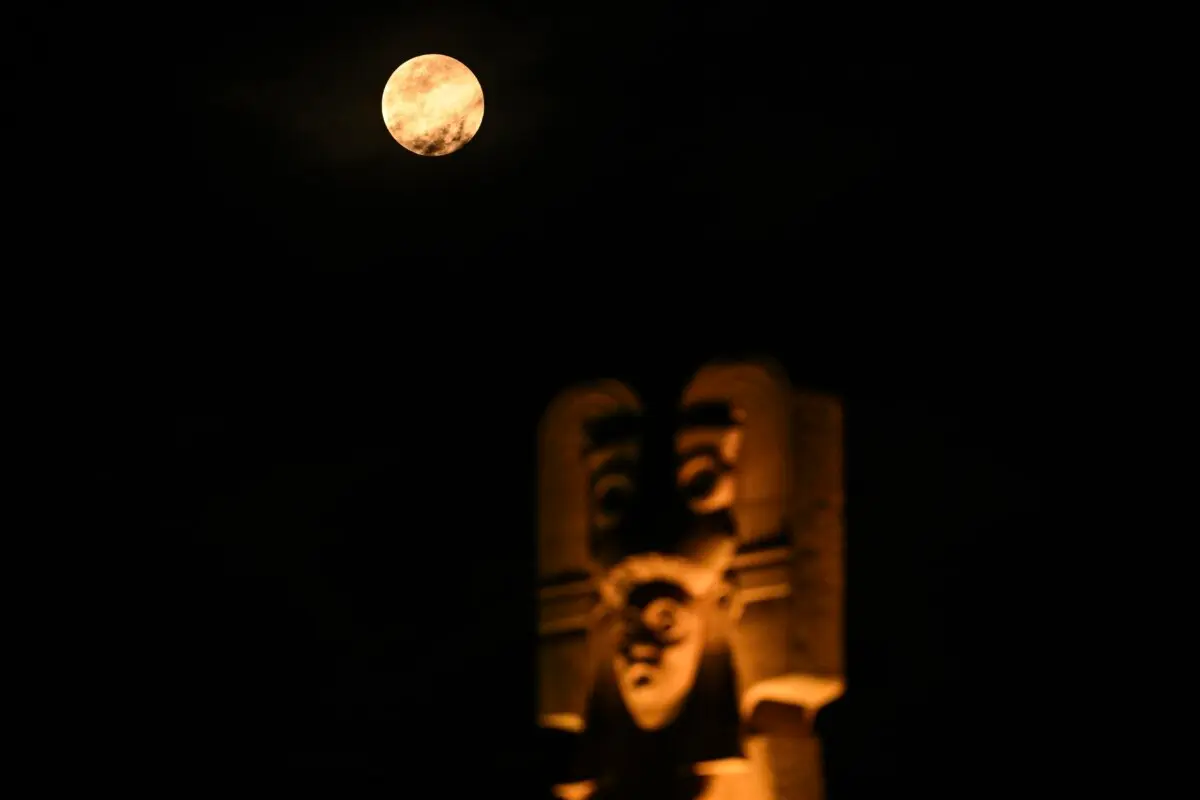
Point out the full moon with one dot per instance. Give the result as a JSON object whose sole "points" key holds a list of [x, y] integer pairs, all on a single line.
{"points": [[432, 105]]}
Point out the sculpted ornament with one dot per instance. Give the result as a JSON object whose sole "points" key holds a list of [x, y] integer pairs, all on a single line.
{"points": [[690, 562]]}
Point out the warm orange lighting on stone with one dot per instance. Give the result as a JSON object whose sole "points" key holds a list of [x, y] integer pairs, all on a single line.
{"points": [[709, 615]]}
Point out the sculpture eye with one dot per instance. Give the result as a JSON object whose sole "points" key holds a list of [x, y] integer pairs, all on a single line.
{"points": [[701, 485], [706, 484], [614, 499], [698, 477], [613, 494]]}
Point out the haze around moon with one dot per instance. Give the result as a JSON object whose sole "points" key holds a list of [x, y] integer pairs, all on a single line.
{"points": [[432, 105]]}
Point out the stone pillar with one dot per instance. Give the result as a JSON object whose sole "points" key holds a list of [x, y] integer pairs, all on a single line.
{"points": [[788, 571], [566, 594]]}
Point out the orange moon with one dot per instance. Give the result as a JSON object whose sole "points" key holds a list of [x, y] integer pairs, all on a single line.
{"points": [[432, 105]]}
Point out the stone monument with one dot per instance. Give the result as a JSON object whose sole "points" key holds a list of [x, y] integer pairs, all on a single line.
{"points": [[690, 598]]}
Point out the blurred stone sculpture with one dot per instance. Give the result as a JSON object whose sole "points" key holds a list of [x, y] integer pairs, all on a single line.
{"points": [[691, 595]]}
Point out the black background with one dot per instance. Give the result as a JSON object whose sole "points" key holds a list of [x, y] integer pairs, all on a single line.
{"points": [[350, 604], [341, 350]]}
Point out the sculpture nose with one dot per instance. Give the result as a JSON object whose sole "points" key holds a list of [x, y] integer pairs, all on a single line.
{"points": [[642, 651]]}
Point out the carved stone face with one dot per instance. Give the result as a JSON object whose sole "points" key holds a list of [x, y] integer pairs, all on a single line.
{"points": [[669, 491], [661, 641]]}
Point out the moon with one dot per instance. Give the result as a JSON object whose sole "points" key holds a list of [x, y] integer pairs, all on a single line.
{"points": [[432, 105]]}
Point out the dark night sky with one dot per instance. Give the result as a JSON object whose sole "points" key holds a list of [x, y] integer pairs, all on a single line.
{"points": [[602, 128], [351, 346]]}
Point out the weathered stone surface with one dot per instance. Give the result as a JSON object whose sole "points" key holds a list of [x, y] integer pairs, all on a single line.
{"points": [[691, 597]]}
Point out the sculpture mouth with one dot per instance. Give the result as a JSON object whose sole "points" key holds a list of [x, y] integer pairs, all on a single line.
{"points": [[641, 676]]}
